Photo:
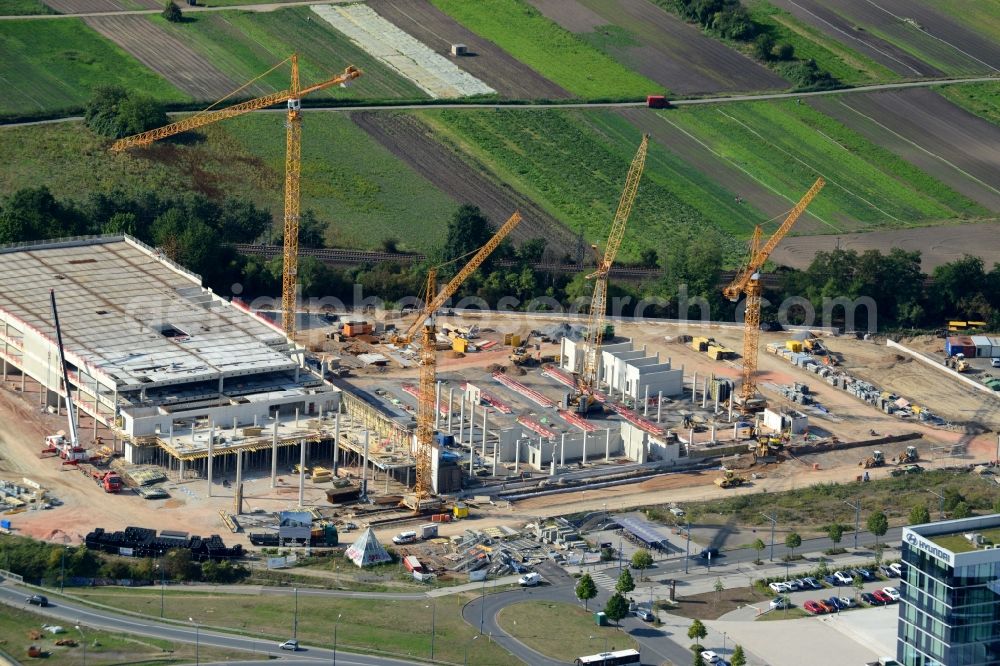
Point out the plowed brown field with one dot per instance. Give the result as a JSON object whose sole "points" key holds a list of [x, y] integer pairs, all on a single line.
{"points": [[486, 61], [164, 54], [410, 140], [667, 50], [85, 6], [955, 146]]}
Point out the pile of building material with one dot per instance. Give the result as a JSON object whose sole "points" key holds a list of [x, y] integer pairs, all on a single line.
{"points": [[491, 552], [138, 475], [558, 531]]}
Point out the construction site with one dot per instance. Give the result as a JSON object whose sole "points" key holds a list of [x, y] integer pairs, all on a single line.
{"points": [[193, 412]]}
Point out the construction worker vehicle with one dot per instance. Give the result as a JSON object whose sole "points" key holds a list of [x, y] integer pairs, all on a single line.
{"points": [[522, 356], [729, 479], [907, 457], [107, 479], [876, 459], [766, 448]]}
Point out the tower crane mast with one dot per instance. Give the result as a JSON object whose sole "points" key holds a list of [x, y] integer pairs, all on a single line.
{"points": [[747, 282], [434, 299], [599, 301], [293, 163]]}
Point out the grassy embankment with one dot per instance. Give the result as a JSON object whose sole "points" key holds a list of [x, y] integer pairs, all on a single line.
{"points": [[555, 53], [25, 8], [401, 628], [103, 648], [982, 99], [362, 191], [561, 631], [787, 144], [51, 66]]}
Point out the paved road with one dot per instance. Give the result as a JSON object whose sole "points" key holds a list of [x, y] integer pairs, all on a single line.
{"points": [[586, 105], [70, 613]]}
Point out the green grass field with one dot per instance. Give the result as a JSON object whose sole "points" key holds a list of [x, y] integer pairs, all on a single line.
{"points": [[401, 628], [787, 145], [362, 190], [25, 8], [53, 65], [103, 648], [982, 99], [847, 65], [244, 45], [561, 631], [550, 50], [574, 164]]}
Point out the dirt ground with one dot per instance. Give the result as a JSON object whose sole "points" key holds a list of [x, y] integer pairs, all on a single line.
{"points": [[407, 138], [486, 61], [82, 6], [164, 54], [930, 132], [937, 245], [668, 51]]}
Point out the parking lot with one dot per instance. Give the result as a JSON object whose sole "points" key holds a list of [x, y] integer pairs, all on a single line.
{"points": [[847, 591]]}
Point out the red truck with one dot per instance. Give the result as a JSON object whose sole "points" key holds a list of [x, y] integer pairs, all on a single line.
{"points": [[657, 102], [107, 479]]}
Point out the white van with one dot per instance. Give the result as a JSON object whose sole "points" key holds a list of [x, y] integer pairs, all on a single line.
{"points": [[529, 580], [404, 537]]}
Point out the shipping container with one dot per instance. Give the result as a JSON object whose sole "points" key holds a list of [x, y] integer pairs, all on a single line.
{"points": [[982, 344], [657, 101]]}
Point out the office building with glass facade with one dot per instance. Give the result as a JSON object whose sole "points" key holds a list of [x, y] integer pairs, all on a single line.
{"points": [[949, 611]]}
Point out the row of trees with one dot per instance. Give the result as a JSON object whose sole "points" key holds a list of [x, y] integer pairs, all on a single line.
{"points": [[729, 19]]}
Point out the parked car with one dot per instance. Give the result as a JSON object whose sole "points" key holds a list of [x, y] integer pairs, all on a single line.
{"points": [[836, 603], [869, 599], [887, 571], [292, 645], [843, 578], [831, 580], [709, 657], [882, 597], [529, 580], [898, 568], [813, 607], [778, 603], [37, 600], [827, 606], [813, 583], [779, 587], [677, 512], [847, 601], [891, 592], [793, 585], [995, 362], [865, 574]]}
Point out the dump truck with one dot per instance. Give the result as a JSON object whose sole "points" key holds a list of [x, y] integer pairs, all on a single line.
{"points": [[907, 457], [876, 459], [729, 479]]}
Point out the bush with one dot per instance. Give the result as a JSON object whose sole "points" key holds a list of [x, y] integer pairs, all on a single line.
{"points": [[116, 113], [785, 52], [172, 12]]}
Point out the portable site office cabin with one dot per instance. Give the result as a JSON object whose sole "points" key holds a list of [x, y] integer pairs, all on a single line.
{"points": [[960, 344]]}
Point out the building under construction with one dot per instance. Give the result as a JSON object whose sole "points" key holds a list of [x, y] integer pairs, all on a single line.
{"points": [[173, 371]]}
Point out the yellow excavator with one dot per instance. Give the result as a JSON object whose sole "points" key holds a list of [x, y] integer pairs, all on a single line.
{"points": [[729, 479]]}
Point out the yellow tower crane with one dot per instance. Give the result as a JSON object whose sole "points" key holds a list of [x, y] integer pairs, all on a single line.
{"points": [[747, 282], [293, 158], [599, 302], [428, 357]]}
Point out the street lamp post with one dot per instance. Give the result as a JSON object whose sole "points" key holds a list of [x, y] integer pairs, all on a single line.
{"points": [[335, 624], [62, 574], [773, 519], [605, 653], [295, 619], [857, 519], [482, 608], [687, 547], [83, 642], [433, 607], [723, 643], [161, 568], [465, 662], [197, 642], [940, 503]]}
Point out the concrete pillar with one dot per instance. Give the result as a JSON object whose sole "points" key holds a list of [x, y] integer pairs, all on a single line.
{"points": [[364, 467], [713, 433], [296, 417], [274, 452], [239, 470], [97, 392], [552, 467], [180, 467], [302, 472], [731, 404], [451, 406], [645, 401], [694, 388], [690, 436], [472, 423], [495, 451], [704, 395], [472, 458], [336, 441], [562, 451], [607, 445], [517, 456], [437, 406], [584, 447], [211, 446], [734, 433], [659, 406], [461, 419], [486, 413], [716, 410], [170, 433]]}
